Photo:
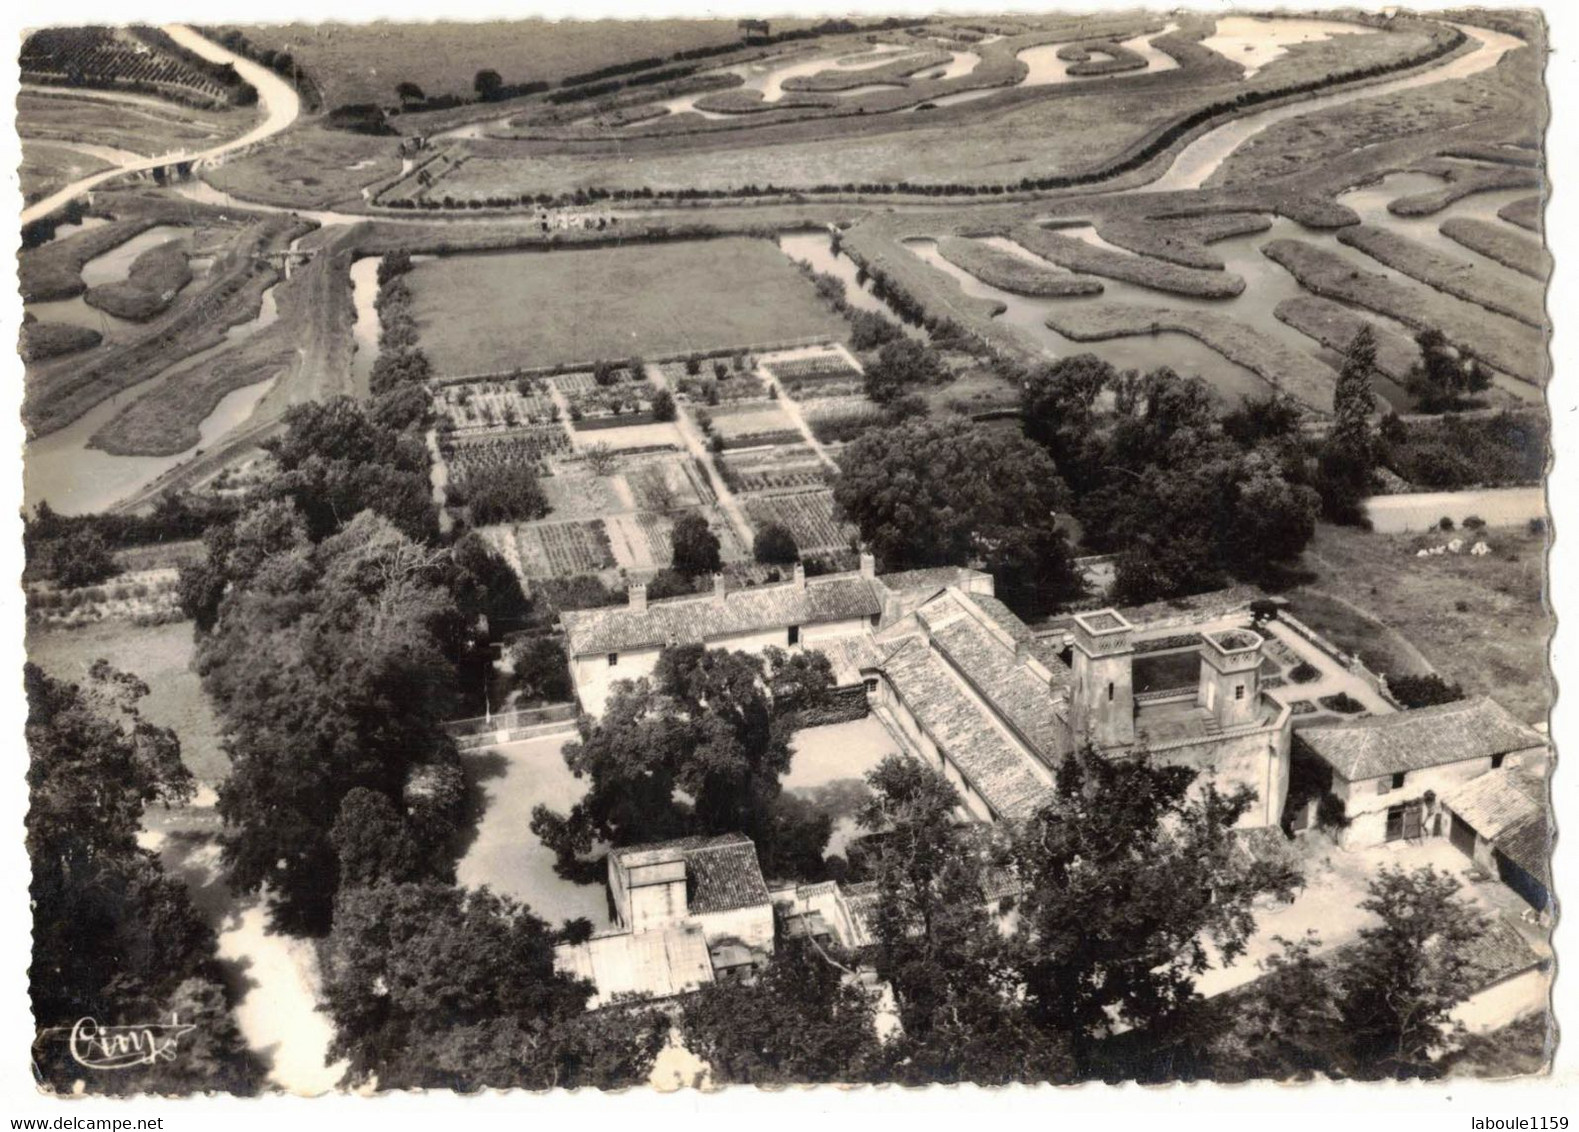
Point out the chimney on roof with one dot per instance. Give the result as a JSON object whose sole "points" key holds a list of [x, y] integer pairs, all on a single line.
{"points": [[800, 575], [720, 586], [868, 565], [638, 597]]}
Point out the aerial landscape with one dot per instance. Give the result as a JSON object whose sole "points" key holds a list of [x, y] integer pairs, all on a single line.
{"points": [[892, 550]]}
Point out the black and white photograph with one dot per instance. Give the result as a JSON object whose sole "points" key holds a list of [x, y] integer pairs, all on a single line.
{"points": [[900, 548]]}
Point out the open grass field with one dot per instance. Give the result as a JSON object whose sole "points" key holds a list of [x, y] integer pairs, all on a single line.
{"points": [[160, 656], [363, 62], [488, 313], [1037, 138], [310, 167], [137, 123], [1495, 645], [47, 167]]}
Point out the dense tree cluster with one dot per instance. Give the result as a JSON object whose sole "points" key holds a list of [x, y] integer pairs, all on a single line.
{"points": [[904, 367], [699, 747], [1186, 498], [508, 494], [1445, 378], [938, 493], [1119, 892], [433, 986], [401, 361], [114, 937]]}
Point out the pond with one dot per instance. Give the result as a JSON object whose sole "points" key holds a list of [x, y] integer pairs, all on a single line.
{"points": [[77, 479], [1028, 316], [112, 266]]}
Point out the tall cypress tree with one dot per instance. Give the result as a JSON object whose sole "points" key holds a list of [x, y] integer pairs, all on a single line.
{"points": [[1347, 457]]}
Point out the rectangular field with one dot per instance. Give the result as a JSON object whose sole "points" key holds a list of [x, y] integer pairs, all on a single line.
{"points": [[486, 313]]}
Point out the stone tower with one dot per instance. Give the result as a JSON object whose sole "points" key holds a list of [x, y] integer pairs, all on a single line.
{"points": [[1102, 701], [1231, 676]]}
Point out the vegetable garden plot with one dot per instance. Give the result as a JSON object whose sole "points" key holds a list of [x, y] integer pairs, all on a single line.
{"points": [[469, 456], [809, 515], [486, 404], [557, 550]]}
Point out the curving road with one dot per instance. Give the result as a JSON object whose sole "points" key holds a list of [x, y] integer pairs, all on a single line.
{"points": [[277, 100]]}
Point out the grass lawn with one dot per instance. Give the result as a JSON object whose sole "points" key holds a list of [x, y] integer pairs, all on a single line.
{"points": [[505, 854], [161, 656], [485, 313], [1494, 645]]}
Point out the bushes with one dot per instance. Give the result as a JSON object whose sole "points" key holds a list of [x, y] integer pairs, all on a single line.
{"points": [[663, 406], [509, 494], [1342, 703], [1304, 673], [1507, 449], [1423, 691]]}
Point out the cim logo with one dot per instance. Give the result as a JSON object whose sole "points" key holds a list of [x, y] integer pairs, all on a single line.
{"points": [[123, 1047]]}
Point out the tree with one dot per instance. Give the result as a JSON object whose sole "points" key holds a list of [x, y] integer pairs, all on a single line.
{"points": [[902, 366], [775, 545], [510, 494], [663, 405], [114, 937], [372, 842], [1284, 1026], [488, 85], [1272, 521], [80, 557], [1424, 691], [541, 670], [1128, 871], [938, 944], [334, 462], [432, 986], [333, 667], [933, 493], [804, 1020], [409, 92], [1399, 984], [694, 546], [1445, 378], [1347, 457], [699, 747]]}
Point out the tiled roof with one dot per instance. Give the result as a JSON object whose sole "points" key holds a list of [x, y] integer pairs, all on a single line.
{"points": [[989, 663], [1509, 809], [905, 591], [722, 872], [1425, 737], [1500, 952], [995, 768], [836, 597], [1004, 617]]}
